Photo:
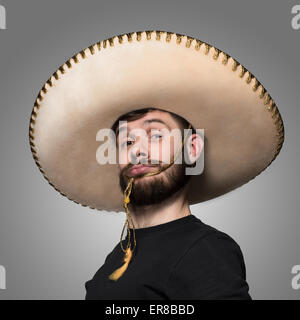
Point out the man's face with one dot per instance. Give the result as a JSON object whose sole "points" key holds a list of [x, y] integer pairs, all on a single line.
{"points": [[151, 141]]}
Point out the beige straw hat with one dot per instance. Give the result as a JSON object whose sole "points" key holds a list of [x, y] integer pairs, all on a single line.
{"points": [[242, 125]]}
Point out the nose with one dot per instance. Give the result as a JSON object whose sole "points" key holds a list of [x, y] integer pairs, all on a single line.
{"points": [[139, 153]]}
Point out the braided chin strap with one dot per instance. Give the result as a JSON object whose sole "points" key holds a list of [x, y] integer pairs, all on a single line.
{"points": [[128, 252]]}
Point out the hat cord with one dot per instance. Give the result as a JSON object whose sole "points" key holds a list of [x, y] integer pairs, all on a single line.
{"points": [[128, 252]]}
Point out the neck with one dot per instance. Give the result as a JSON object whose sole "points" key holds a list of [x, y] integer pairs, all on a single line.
{"points": [[172, 208]]}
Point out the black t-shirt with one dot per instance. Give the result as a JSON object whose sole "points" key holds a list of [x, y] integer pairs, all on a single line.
{"points": [[181, 259]]}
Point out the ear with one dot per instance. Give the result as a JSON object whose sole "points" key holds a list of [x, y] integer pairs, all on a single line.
{"points": [[194, 147]]}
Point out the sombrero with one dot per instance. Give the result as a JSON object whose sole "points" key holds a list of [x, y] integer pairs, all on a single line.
{"points": [[243, 128]]}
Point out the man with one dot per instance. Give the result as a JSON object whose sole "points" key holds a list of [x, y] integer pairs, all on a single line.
{"points": [[186, 84], [177, 255]]}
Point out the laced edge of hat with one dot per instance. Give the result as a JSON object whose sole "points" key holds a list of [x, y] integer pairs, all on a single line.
{"points": [[189, 42]]}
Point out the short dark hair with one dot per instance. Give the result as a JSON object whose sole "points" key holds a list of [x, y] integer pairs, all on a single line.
{"points": [[137, 114]]}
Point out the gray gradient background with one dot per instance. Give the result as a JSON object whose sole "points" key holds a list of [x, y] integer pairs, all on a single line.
{"points": [[49, 245]]}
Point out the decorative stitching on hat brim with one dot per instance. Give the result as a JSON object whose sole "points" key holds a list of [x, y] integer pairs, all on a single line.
{"points": [[190, 42]]}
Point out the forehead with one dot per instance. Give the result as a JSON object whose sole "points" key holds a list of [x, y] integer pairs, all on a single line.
{"points": [[157, 118]]}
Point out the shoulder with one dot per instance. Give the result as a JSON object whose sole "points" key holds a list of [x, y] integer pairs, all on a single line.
{"points": [[212, 267], [209, 240], [202, 243], [224, 249], [218, 242], [218, 249]]}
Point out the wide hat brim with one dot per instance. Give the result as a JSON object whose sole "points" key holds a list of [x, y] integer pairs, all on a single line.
{"points": [[242, 125]]}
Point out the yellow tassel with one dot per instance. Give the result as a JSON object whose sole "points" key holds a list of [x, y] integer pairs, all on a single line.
{"points": [[119, 272], [127, 200]]}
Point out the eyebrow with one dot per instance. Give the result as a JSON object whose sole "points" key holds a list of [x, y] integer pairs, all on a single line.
{"points": [[148, 121]]}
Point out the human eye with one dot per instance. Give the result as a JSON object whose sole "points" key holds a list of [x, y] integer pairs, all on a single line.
{"points": [[157, 134], [125, 143]]}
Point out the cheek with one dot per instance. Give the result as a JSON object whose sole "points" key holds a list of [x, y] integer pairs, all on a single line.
{"points": [[163, 150], [122, 157], [155, 151]]}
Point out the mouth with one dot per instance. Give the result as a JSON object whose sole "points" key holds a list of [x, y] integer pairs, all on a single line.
{"points": [[140, 168]]}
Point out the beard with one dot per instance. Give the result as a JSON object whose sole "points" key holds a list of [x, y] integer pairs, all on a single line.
{"points": [[157, 188]]}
